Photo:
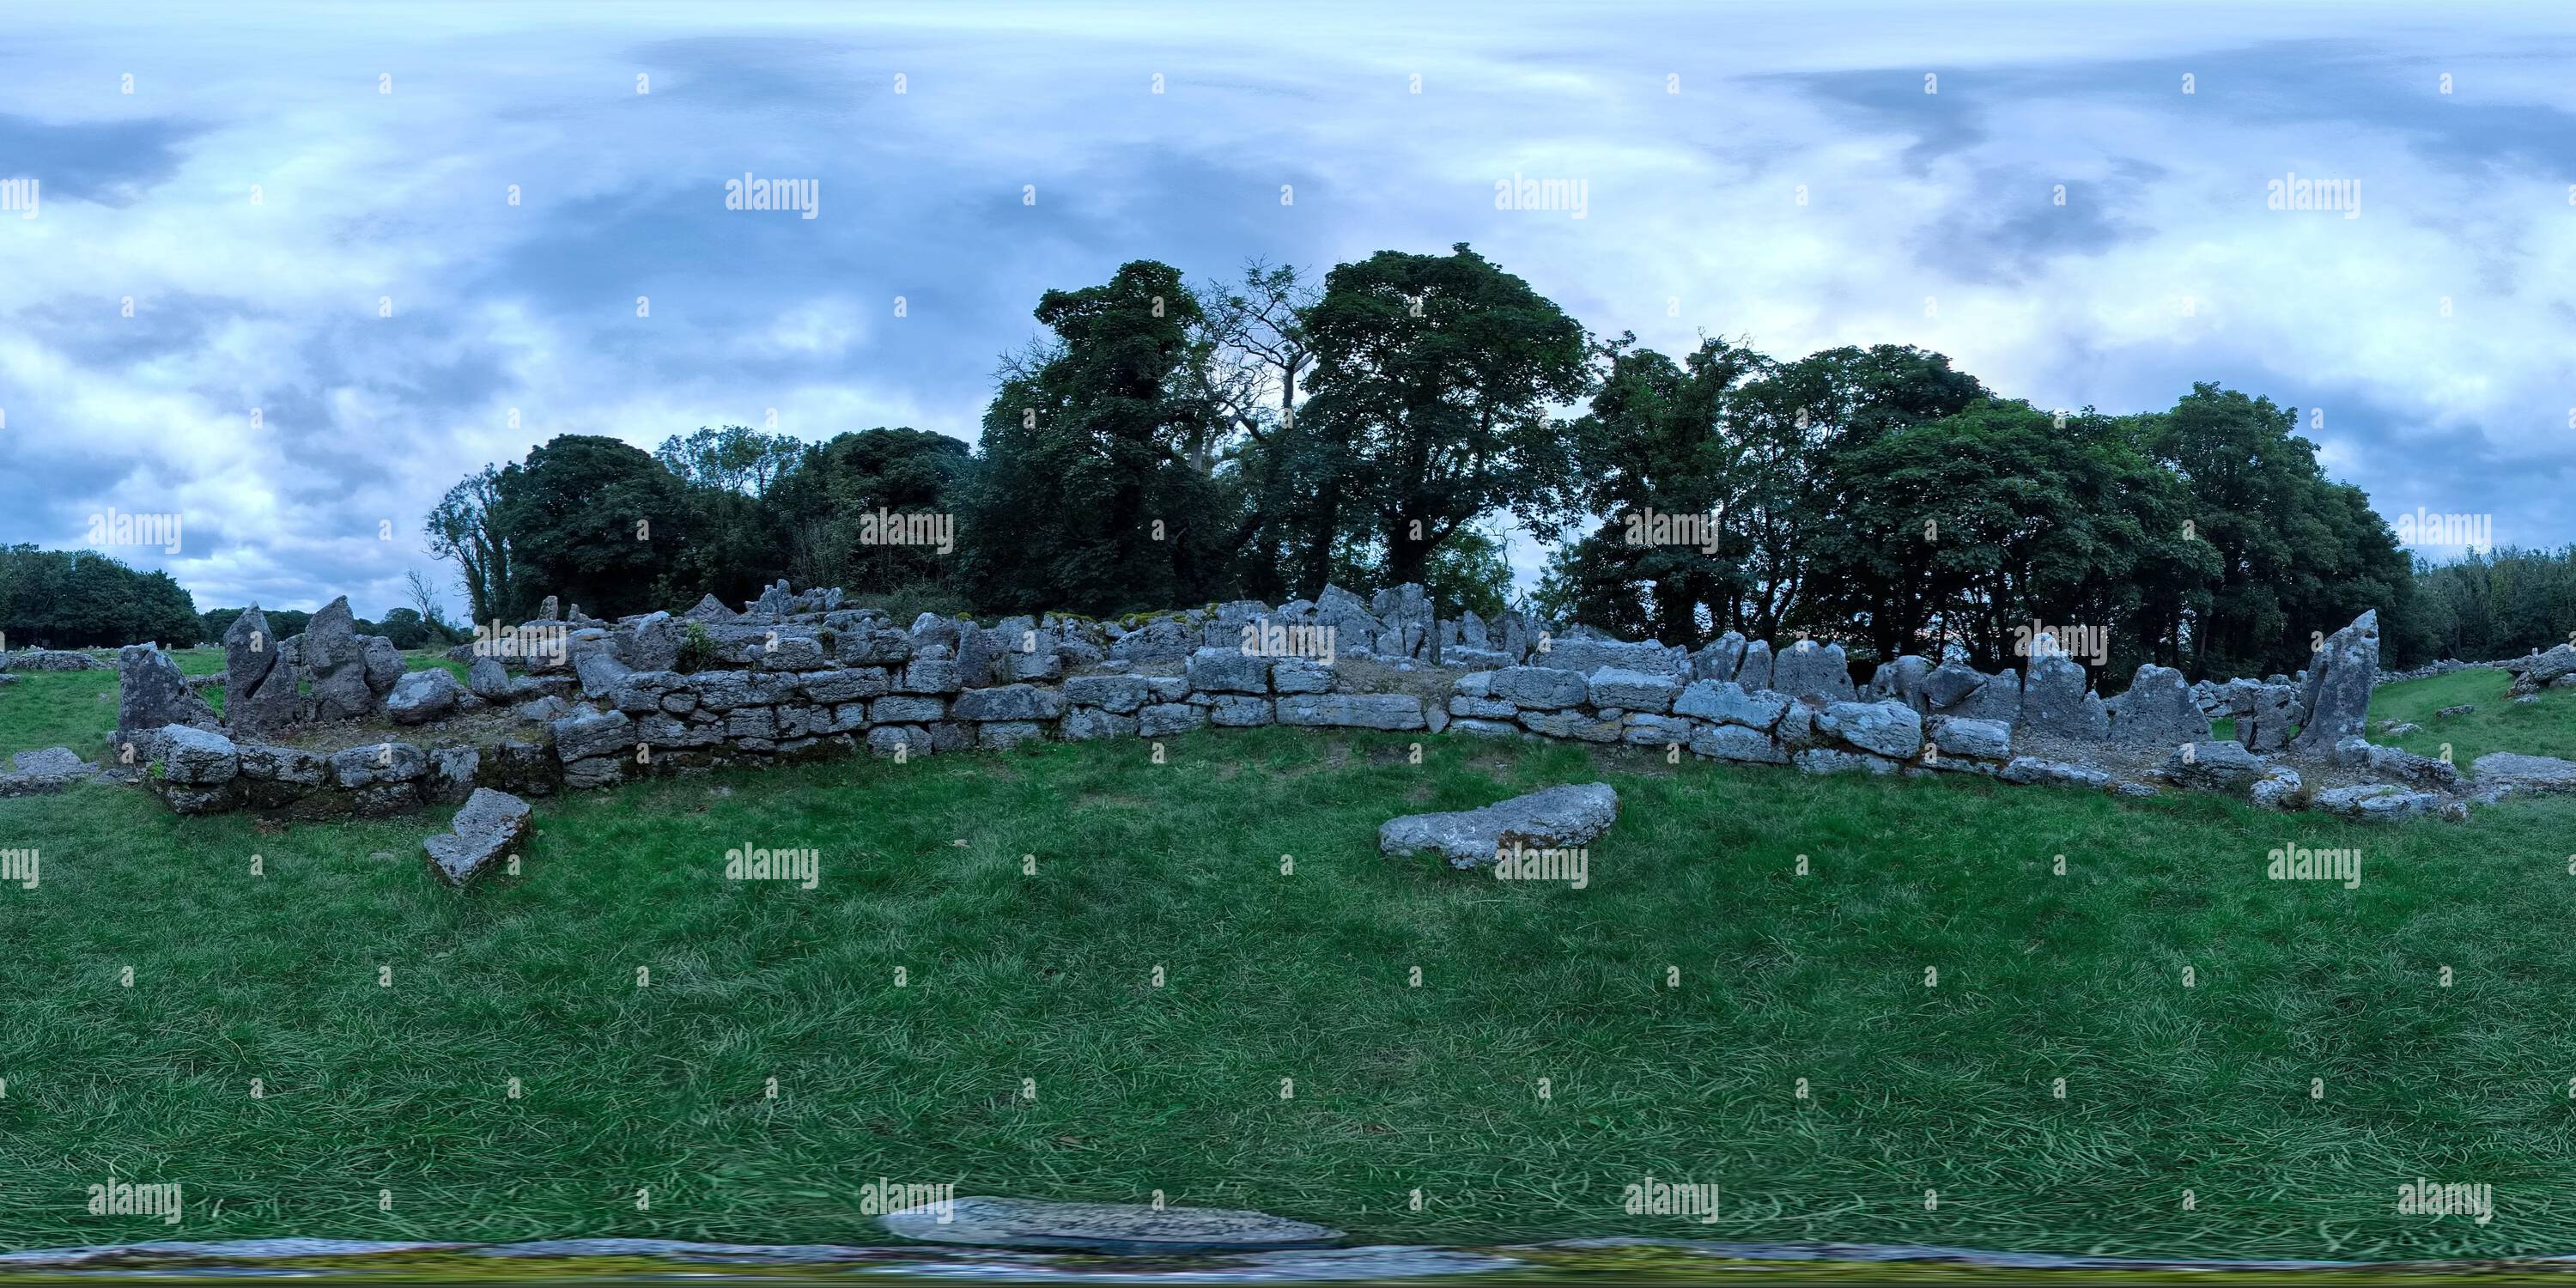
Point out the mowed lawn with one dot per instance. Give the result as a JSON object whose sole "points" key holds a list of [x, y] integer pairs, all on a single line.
{"points": [[1549, 1055]]}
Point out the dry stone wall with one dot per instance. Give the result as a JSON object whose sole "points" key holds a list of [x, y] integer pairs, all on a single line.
{"points": [[794, 675]]}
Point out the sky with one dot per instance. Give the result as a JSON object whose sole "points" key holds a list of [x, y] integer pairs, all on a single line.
{"points": [[291, 272]]}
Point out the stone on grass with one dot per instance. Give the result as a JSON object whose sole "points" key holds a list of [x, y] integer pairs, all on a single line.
{"points": [[1726, 702], [192, 757], [491, 826], [1813, 675], [1889, 729], [2025, 770], [152, 692], [1826, 760], [2055, 703], [2335, 702], [1119, 1229], [2158, 711], [1972, 739], [1737, 743], [1556, 818], [2215, 766], [2506, 773]]}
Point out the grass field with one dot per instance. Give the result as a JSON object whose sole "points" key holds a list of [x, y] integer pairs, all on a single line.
{"points": [[386, 1017]]}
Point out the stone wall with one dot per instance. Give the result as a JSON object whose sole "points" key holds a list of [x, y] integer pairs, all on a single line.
{"points": [[795, 676]]}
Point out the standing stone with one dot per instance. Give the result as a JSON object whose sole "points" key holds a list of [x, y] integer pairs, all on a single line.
{"points": [[337, 662], [1903, 680], [152, 692], [2158, 711], [551, 611], [259, 685], [2336, 700], [2270, 710], [1719, 659], [1813, 675], [384, 664], [2057, 704], [1755, 673]]}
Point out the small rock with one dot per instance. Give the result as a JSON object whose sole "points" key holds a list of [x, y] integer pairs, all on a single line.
{"points": [[489, 826], [1123, 1229], [1556, 818]]}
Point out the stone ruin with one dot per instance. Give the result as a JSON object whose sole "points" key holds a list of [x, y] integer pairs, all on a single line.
{"points": [[329, 673], [795, 675]]}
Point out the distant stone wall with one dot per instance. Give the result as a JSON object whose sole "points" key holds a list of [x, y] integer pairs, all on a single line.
{"points": [[795, 676]]}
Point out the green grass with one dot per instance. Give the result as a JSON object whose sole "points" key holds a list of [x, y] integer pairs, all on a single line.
{"points": [[2543, 728], [1306, 976]]}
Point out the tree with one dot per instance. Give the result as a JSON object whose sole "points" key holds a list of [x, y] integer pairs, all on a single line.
{"points": [[593, 520], [735, 458], [84, 599], [464, 528], [1434, 385], [835, 506], [1086, 498]]}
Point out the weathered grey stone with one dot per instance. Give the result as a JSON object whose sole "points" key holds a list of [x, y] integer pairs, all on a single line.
{"points": [[1300, 675], [1646, 729], [2335, 702], [889, 647], [1542, 687], [1482, 708], [451, 775], [1118, 694], [600, 673], [2215, 766], [1812, 674], [581, 737], [1083, 724], [259, 693], [2158, 711], [422, 696], [1754, 675], [1008, 702], [1632, 690], [1719, 659], [2406, 766], [1220, 670], [1354, 710], [1239, 711], [184, 799], [283, 765], [2025, 770], [1578, 724], [2377, 802], [2460, 710], [1827, 760], [2055, 703], [337, 664], [1885, 728], [1488, 729], [834, 687], [907, 709], [2270, 712], [929, 675], [2505, 773], [1162, 719], [1738, 743], [1115, 1228], [1727, 703], [151, 692], [1557, 818], [378, 763], [488, 679], [57, 765], [1959, 736], [490, 827], [384, 664], [192, 757]]}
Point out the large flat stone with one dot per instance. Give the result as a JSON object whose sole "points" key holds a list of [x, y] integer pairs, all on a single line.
{"points": [[1131, 1229], [1554, 818]]}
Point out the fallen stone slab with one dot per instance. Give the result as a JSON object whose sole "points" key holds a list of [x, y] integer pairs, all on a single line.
{"points": [[2506, 773], [1552, 819], [1124, 1229], [491, 825]]}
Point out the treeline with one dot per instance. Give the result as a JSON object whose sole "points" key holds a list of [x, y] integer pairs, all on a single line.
{"points": [[2497, 603], [84, 599], [1169, 443]]}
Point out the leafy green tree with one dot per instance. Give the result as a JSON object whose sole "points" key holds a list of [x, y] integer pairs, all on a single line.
{"points": [[1086, 497], [834, 505], [593, 520], [1433, 395], [84, 599], [465, 528]]}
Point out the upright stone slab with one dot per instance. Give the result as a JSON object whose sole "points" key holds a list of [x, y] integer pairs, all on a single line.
{"points": [[151, 692], [259, 687], [2158, 711], [2270, 711], [337, 662], [1719, 659], [2056, 703], [1755, 673], [2336, 700], [1813, 675]]}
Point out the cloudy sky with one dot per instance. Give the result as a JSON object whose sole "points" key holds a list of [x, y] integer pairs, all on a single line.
{"points": [[255, 196]]}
